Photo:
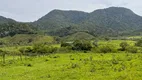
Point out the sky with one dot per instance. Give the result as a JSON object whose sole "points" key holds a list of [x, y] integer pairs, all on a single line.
{"points": [[32, 10]]}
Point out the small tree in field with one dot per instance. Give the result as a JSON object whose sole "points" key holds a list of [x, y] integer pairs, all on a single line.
{"points": [[82, 45], [132, 49], [123, 46], [107, 49], [3, 54], [95, 43], [25, 51], [139, 43]]}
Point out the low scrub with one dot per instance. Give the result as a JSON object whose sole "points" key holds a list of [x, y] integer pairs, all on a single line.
{"points": [[104, 49]]}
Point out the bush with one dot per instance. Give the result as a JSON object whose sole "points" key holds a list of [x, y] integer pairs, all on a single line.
{"points": [[95, 43], [95, 49], [107, 49], [139, 43], [66, 44], [123, 46], [65, 49], [42, 49], [52, 49], [82, 45], [132, 49]]}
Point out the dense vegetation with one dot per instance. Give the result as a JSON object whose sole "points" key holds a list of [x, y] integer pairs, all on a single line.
{"points": [[111, 21]]}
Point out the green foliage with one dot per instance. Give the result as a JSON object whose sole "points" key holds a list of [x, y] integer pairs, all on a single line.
{"points": [[66, 44], [139, 43], [42, 49], [124, 45], [102, 22], [65, 50], [95, 43], [78, 36], [132, 49], [82, 45], [107, 49], [26, 39], [12, 28]]}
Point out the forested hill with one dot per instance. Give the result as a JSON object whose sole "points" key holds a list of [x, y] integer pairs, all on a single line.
{"points": [[5, 20], [10, 27], [109, 21]]}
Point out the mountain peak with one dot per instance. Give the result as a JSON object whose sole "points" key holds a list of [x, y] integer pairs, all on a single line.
{"points": [[112, 20], [119, 10]]}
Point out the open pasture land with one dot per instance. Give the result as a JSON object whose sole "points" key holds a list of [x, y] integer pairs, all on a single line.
{"points": [[75, 66]]}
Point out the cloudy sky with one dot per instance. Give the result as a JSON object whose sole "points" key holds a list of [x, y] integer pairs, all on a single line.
{"points": [[31, 10]]}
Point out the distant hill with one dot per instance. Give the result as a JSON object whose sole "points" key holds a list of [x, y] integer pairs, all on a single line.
{"points": [[79, 36], [10, 27], [5, 20], [111, 21], [26, 39]]}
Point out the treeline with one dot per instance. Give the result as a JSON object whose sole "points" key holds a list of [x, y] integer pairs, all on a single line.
{"points": [[88, 46], [12, 28], [42, 49], [35, 50]]}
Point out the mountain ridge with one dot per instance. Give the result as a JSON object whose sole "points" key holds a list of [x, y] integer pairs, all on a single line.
{"points": [[110, 21]]}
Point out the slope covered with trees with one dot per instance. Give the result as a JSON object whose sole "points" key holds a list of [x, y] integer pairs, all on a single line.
{"points": [[110, 21], [10, 27]]}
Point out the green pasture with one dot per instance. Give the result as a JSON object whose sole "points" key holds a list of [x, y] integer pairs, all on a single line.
{"points": [[75, 66]]}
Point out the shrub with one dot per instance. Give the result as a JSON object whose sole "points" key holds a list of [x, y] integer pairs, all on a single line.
{"points": [[65, 49], [82, 45], [95, 49], [52, 49], [42, 49], [95, 43], [132, 49], [66, 44], [123, 46], [107, 49], [139, 43]]}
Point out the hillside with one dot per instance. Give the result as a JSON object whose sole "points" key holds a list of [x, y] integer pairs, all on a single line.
{"points": [[79, 36], [111, 21], [26, 39], [10, 27], [59, 19], [5, 20]]}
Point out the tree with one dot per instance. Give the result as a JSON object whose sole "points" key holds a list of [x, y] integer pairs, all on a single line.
{"points": [[25, 50], [3, 54], [95, 43], [66, 44], [132, 49], [82, 45], [123, 46], [107, 48], [139, 43]]}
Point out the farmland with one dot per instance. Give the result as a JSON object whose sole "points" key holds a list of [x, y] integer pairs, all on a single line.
{"points": [[74, 65]]}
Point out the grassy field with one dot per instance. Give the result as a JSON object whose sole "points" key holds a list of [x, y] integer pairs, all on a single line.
{"points": [[116, 43], [75, 66]]}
